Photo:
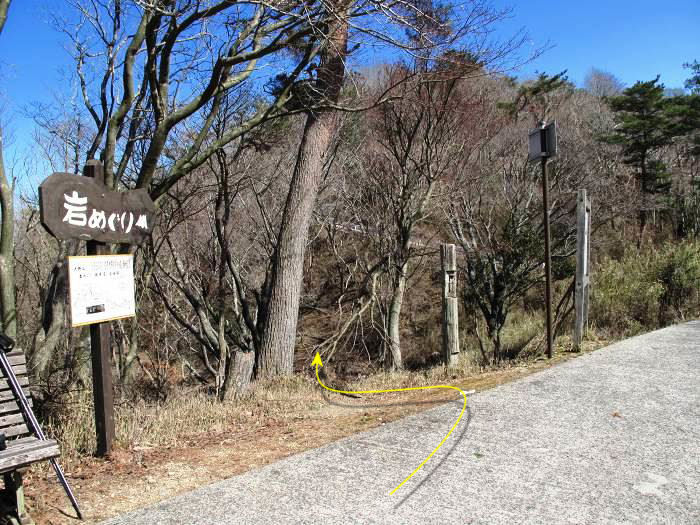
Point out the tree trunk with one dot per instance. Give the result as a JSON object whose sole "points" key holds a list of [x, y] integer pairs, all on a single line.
{"points": [[4, 6], [7, 263], [53, 325], [238, 375], [130, 356], [394, 360], [276, 356], [277, 350], [642, 227]]}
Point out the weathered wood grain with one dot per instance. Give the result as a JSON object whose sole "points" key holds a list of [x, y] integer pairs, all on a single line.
{"points": [[11, 405], [22, 380], [583, 243], [24, 453], [450, 320], [7, 395]]}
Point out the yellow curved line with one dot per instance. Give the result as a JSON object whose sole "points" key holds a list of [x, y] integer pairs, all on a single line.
{"points": [[464, 407]]}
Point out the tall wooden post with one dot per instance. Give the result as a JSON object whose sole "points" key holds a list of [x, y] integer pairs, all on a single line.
{"points": [[547, 255], [450, 324], [542, 144], [100, 349], [583, 257]]}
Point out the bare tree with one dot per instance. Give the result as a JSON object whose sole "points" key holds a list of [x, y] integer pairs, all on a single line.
{"points": [[495, 214], [602, 84], [153, 73], [215, 247], [277, 352], [421, 142]]}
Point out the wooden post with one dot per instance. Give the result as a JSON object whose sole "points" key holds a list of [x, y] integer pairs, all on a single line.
{"points": [[100, 349], [583, 257], [450, 324], [14, 499], [547, 255]]}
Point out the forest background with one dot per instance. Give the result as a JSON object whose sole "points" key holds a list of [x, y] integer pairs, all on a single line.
{"points": [[302, 202]]}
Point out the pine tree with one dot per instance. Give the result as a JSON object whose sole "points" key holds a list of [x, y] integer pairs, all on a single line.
{"points": [[684, 112], [693, 83], [643, 128]]}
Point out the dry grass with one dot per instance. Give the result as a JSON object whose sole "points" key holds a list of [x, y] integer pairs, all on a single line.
{"points": [[161, 424]]}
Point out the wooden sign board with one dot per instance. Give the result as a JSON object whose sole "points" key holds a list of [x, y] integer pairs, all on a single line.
{"points": [[77, 207], [101, 288]]}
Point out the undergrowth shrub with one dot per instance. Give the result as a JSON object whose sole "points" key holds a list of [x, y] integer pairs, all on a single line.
{"points": [[679, 273], [648, 289]]}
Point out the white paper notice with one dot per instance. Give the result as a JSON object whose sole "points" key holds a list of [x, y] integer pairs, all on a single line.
{"points": [[101, 288]]}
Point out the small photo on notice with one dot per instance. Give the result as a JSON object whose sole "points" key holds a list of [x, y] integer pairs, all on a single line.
{"points": [[95, 309]]}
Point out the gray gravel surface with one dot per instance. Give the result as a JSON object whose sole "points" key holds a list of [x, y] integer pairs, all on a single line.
{"points": [[610, 437]]}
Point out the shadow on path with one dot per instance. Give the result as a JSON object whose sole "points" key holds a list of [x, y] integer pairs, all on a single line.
{"points": [[455, 439]]}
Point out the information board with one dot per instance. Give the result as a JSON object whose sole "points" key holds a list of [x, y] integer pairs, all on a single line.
{"points": [[101, 288]]}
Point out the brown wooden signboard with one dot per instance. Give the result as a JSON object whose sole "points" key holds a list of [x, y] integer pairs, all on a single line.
{"points": [[81, 207], [77, 207]]}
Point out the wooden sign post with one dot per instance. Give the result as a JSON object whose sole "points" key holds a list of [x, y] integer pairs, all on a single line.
{"points": [[583, 258], [450, 321], [75, 207], [542, 143], [100, 350]]}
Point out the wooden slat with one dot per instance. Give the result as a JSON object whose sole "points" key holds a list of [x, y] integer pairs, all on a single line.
{"points": [[11, 406], [11, 420], [17, 359], [24, 454], [23, 381], [20, 441], [17, 430], [19, 370], [8, 395]]}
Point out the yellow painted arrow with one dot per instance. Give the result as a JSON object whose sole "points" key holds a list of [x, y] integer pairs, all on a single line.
{"points": [[317, 362]]}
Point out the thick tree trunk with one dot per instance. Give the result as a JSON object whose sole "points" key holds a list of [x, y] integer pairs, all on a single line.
{"points": [[7, 263], [277, 350], [276, 355], [238, 375], [394, 360]]}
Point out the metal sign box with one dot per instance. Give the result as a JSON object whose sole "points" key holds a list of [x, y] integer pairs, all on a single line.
{"points": [[543, 142]]}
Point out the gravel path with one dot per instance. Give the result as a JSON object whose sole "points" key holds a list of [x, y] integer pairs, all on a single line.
{"points": [[610, 437]]}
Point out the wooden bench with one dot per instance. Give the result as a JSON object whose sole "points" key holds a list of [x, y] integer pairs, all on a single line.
{"points": [[23, 448]]}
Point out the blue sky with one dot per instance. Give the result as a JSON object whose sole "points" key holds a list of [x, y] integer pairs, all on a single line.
{"points": [[635, 40]]}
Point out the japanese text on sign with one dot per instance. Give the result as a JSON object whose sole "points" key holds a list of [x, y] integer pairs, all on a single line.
{"points": [[75, 207], [101, 288], [77, 215]]}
